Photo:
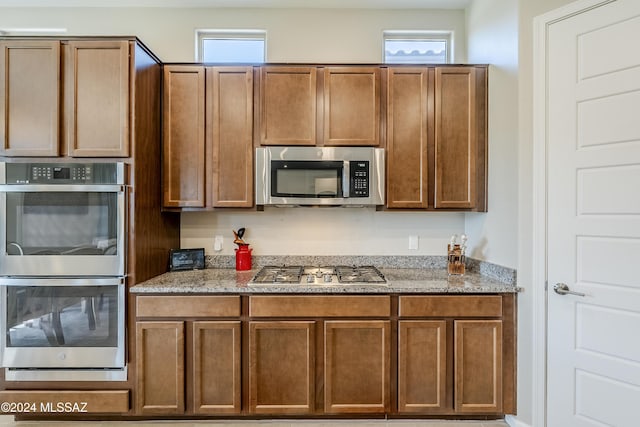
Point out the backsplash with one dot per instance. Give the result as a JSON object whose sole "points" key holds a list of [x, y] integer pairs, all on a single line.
{"points": [[323, 231]]}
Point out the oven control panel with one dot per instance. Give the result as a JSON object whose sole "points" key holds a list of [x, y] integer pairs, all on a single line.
{"points": [[80, 174], [64, 173], [359, 179]]}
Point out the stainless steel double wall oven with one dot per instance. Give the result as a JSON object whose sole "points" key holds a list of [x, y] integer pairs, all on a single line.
{"points": [[62, 271]]}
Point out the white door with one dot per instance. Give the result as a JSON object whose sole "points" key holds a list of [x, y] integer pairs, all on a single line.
{"points": [[593, 241]]}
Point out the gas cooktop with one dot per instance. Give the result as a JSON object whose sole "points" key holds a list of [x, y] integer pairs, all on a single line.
{"points": [[326, 275]]}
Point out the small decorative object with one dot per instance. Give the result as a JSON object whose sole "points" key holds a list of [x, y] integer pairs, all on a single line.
{"points": [[243, 253], [456, 255], [186, 259]]}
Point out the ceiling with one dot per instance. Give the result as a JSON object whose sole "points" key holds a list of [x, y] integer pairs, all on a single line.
{"points": [[332, 4]]}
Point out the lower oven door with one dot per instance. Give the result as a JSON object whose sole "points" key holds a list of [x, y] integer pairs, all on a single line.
{"points": [[62, 323]]}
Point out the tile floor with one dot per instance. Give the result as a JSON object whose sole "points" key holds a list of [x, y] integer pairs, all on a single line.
{"points": [[6, 421]]}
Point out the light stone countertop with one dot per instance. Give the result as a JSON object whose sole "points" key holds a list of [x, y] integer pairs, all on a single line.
{"points": [[399, 281]]}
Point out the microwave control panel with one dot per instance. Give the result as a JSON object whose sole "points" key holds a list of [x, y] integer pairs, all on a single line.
{"points": [[359, 179]]}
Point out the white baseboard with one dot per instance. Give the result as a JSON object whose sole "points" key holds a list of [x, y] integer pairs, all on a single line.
{"points": [[514, 422]]}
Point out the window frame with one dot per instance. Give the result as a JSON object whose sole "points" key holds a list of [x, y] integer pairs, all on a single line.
{"points": [[419, 35], [231, 34]]}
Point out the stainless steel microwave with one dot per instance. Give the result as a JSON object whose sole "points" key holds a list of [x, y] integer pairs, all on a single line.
{"points": [[319, 176]]}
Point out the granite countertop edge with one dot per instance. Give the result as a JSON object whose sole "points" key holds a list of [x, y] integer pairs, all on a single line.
{"points": [[399, 281]]}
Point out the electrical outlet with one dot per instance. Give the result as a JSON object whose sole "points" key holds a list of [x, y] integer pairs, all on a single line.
{"points": [[217, 243], [413, 243]]}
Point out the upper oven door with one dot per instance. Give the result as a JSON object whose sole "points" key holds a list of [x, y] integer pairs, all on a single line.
{"points": [[62, 230]]}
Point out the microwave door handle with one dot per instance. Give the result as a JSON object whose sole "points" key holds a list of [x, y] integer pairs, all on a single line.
{"points": [[345, 179]]}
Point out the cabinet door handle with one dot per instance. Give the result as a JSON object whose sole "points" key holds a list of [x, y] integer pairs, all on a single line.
{"points": [[563, 289]]}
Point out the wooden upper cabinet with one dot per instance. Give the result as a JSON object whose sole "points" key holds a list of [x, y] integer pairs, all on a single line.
{"points": [[97, 99], [230, 135], [456, 139], [184, 136], [29, 98], [407, 113], [478, 366], [288, 105], [352, 106], [356, 366], [160, 367]]}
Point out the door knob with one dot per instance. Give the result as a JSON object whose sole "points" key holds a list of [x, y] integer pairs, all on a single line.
{"points": [[563, 289]]}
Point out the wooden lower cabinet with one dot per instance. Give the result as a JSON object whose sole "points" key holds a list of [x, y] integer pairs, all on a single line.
{"points": [[356, 366], [216, 367], [422, 366], [478, 365], [456, 354], [281, 367], [161, 367], [306, 355]]}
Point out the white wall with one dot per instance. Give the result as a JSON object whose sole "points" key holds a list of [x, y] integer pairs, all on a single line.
{"points": [[323, 231], [492, 38], [293, 35]]}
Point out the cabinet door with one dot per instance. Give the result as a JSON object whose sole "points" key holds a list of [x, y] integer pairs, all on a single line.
{"points": [[230, 129], [356, 366], [352, 106], [478, 366], [455, 138], [160, 367], [97, 95], [288, 106], [422, 366], [407, 107], [281, 367], [183, 136], [216, 367], [29, 98]]}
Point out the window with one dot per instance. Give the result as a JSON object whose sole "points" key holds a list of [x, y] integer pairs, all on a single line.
{"points": [[415, 47], [228, 46]]}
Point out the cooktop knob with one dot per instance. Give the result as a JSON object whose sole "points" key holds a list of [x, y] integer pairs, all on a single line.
{"points": [[310, 278], [327, 278]]}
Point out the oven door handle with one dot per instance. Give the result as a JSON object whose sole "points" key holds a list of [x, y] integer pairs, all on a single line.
{"points": [[26, 188], [55, 281]]}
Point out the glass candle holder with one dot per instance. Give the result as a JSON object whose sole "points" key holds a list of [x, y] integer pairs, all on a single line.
{"points": [[455, 260]]}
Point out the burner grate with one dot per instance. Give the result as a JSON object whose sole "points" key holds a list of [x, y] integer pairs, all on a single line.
{"points": [[363, 274], [278, 274]]}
